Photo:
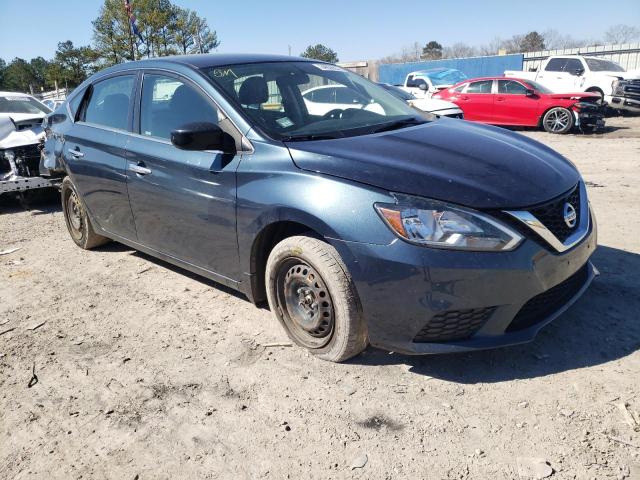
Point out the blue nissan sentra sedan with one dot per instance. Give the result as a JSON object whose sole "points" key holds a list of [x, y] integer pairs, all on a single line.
{"points": [[371, 223]]}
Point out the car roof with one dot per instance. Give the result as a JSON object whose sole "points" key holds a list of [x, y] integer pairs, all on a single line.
{"points": [[209, 60], [479, 79], [14, 94]]}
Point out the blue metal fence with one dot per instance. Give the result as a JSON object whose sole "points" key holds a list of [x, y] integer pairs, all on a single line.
{"points": [[395, 73]]}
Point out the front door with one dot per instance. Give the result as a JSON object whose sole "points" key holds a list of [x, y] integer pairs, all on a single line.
{"points": [[94, 151], [512, 105], [560, 75], [183, 202]]}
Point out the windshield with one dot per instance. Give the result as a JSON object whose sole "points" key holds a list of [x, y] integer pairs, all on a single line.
{"points": [[539, 87], [21, 104], [444, 77], [596, 65], [398, 92], [310, 101]]}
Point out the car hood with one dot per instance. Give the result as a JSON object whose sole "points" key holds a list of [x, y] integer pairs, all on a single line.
{"points": [[432, 104], [632, 75], [572, 95], [450, 160], [30, 130]]}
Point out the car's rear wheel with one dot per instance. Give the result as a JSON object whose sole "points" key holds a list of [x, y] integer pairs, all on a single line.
{"points": [[558, 120], [312, 294], [76, 218]]}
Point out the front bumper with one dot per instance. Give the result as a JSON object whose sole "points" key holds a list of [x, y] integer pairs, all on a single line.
{"points": [[625, 103], [405, 288]]}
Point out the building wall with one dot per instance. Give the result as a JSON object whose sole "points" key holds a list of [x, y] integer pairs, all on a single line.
{"points": [[627, 55], [395, 73]]}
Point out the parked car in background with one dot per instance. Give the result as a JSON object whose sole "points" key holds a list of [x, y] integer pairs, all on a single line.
{"points": [[415, 233], [431, 105], [576, 73], [521, 102], [53, 103], [21, 135], [325, 98], [424, 83]]}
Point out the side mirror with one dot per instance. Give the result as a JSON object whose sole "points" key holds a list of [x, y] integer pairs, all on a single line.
{"points": [[199, 136], [530, 92], [423, 86], [577, 72]]}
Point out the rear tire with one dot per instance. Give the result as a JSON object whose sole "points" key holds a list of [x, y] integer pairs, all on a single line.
{"points": [[76, 218], [311, 293], [558, 120]]}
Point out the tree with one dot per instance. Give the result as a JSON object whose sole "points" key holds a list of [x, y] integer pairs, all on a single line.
{"points": [[72, 64], [205, 39], [112, 36], [531, 42], [621, 34], [184, 29], [432, 51], [18, 76], [320, 52], [3, 67], [459, 50]]}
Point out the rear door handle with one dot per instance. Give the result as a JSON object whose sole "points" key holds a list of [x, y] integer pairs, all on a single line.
{"points": [[76, 153], [139, 169]]}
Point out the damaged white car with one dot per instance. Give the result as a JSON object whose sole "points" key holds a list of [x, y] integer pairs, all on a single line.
{"points": [[21, 137]]}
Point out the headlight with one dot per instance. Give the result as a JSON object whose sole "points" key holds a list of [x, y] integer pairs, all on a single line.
{"points": [[442, 225]]}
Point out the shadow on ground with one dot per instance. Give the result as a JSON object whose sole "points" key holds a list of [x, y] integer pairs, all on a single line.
{"points": [[602, 326], [38, 202]]}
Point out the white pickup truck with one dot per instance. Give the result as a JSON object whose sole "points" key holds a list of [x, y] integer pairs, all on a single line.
{"points": [[576, 73], [424, 83]]}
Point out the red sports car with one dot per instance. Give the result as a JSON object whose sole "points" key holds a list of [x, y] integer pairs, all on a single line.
{"points": [[518, 102]]}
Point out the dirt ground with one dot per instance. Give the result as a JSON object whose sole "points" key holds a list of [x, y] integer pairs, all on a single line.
{"points": [[147, 372]]}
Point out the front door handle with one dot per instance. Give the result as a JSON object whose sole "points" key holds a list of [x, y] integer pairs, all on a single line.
{"points": [[76, 153], [139, 169]]}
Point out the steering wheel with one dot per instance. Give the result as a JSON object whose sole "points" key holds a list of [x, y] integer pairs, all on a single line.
{"points": [[338, 113]]}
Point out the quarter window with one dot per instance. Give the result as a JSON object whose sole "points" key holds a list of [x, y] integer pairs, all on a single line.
{"points": [[108, 102], [169, 103], [482, 86], [509, 87]]}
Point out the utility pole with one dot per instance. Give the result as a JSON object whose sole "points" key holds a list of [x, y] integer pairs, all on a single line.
{"points": [[289, 50]]}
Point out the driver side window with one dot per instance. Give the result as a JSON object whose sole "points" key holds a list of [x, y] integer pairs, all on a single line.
{"points": [[169, 103]]}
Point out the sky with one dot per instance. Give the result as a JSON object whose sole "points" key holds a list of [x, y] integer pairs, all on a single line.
{"points": [[355, 29]]}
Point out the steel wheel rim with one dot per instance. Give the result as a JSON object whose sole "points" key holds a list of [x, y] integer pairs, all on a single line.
{"points": [[74, 215], [557, 120], [305, 303]]}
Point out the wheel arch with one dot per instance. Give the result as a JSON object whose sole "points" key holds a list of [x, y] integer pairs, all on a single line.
{"points": [[545, 111], [267, 237]]}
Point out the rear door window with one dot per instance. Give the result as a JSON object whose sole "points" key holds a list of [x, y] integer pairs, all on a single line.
{"points": [[109, 101], [482, 86]]}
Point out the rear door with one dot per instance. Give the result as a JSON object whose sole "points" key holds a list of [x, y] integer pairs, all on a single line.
{"points": [[183, 201], [94, 150], [476, 101], [512, 106]]}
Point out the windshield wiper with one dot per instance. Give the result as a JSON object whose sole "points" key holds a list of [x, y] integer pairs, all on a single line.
{"points": [[302, 138], [405, 122]]}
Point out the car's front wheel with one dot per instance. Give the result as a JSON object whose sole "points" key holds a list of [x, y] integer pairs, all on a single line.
{"points": [[76, 218], [558, 120], [312, 294]]}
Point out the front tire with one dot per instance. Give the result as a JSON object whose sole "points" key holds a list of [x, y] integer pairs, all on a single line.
{"points": [[558, 120], [311, 293], [76, 218]]}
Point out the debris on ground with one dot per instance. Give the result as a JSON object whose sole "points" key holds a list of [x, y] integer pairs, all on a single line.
{"points": [[533, 468]]}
